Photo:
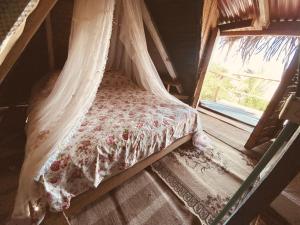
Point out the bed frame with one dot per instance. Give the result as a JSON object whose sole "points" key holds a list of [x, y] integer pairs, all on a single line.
{"points": [[81, 201]]}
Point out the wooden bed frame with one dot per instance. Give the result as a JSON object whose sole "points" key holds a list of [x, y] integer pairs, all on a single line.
{"points": [[81, 201]]}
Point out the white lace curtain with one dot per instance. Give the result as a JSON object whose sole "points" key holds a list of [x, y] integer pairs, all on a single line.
{"points": [[52, 123]]}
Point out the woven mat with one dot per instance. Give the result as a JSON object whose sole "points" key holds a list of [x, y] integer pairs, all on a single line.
{"points": [[204, 180], [142, 200]]}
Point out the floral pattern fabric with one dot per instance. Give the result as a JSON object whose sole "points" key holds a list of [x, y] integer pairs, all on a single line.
{"points": [[125, 125]]}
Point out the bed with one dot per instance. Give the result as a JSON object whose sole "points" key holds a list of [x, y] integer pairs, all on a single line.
{"points": [[124, 131]]}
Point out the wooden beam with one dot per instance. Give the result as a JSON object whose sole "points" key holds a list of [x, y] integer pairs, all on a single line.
{"points": [[159, 44], [271, 186], [49, 36], [33, 22], [204, 65], [284, 28], [236, 25], [264, 14]]}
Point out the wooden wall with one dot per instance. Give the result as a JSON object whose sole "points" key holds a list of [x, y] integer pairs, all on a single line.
{"points": [[61, 17], [31, 65], [179, 23], [15, 90]]}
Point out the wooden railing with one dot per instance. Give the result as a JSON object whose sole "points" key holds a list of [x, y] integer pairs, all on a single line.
{"points": [[235, 76]]}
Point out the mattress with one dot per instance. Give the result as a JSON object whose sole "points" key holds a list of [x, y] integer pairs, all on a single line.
{"points": [[125, 125]]}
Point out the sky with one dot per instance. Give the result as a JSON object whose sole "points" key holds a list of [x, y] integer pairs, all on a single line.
{"points": [[232, 62]]}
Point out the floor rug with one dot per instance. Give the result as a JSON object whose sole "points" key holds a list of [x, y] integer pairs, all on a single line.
{"points": [[204, 180]]}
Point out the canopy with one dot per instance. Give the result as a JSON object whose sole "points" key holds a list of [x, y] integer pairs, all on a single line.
{"points": [[54, 121]]}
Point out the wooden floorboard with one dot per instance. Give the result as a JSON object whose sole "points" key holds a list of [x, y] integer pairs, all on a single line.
{"points": [[227, 120], [238, 161], [231, 132]]}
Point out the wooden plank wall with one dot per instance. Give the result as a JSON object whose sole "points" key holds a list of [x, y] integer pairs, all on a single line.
{"points": [[178, 22]]}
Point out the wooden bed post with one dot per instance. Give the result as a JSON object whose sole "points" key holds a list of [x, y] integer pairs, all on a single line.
{"points": [[204, 65]]}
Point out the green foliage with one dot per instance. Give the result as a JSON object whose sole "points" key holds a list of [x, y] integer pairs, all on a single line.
{"points": [[245, 91]]}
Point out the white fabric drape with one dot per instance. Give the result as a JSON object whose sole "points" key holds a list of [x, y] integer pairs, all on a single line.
{"points": [[51, 124], [132, 35]]}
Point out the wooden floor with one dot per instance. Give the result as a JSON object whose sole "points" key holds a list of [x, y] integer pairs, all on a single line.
{"points": [[234, 134], [230, 133]]}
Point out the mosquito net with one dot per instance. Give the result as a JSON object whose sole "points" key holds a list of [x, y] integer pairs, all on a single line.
{"points": [[52, 122]]}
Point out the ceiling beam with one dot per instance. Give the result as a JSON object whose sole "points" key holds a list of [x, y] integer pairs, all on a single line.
{"points": [[33, 22], [283, 28], [236, 25]]}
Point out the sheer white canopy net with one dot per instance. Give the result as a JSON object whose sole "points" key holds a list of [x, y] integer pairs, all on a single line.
{"points": [[52, 123]]}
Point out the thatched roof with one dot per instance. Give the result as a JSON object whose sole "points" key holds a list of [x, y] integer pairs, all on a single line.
{"points": [[270, 46]]}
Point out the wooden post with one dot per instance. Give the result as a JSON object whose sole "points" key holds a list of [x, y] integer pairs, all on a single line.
{"points": [[236, 25], [159, 44], [264, 14], [32, 24], [204, 65], [281, 28], [49, 36]]}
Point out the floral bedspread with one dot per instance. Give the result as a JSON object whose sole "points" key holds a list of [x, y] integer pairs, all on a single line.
{"points": [[125, 125]]}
